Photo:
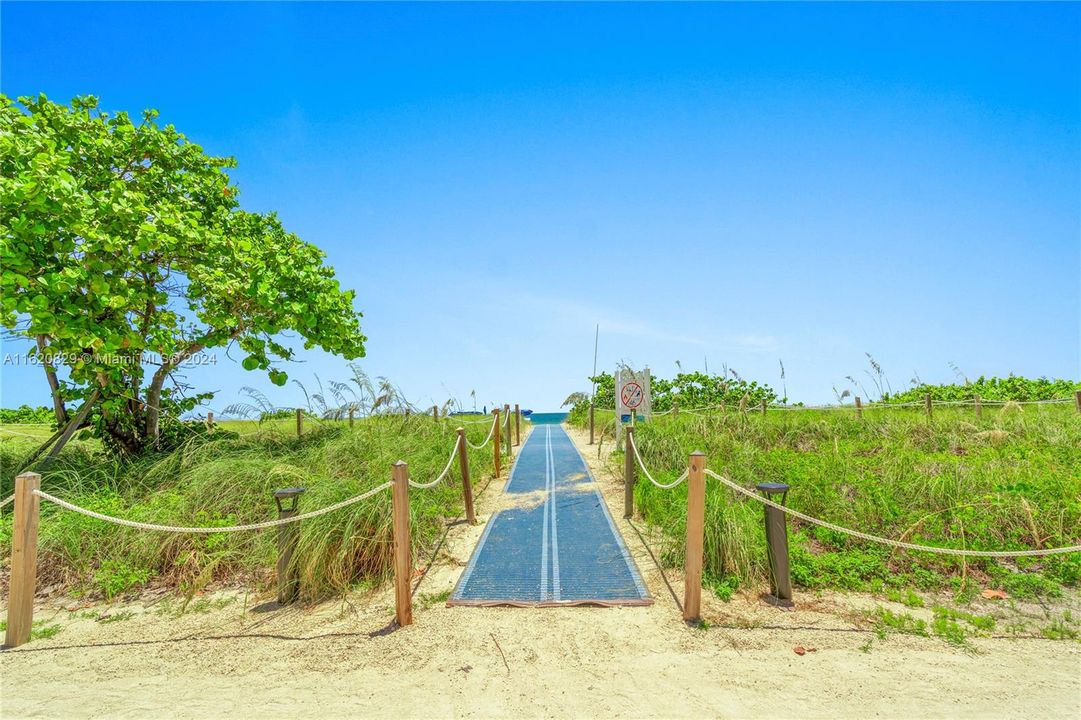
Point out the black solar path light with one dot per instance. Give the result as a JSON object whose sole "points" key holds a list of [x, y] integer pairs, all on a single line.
{"points": [[780, 579], [288, 535]]}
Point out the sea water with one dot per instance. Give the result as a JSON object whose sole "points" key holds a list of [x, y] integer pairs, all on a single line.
{"points": [[550, 418]]}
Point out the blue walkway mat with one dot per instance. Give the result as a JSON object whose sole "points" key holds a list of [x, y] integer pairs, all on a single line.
{"points": [[559, 546]]}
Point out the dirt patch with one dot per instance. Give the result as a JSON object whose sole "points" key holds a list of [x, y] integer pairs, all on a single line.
{"points": [[230, 654]]}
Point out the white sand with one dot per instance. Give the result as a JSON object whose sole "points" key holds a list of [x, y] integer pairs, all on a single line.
{"points": [[338, 660]]}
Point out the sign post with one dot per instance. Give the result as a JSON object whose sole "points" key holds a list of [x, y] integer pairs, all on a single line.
{"points": [[632, 398]]}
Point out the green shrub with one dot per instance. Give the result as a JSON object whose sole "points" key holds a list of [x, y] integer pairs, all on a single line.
{"points": [[26, 415], [994, 389]]}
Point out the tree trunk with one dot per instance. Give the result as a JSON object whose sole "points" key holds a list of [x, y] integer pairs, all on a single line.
{"points": [[54, 385], [153, 393], [153, 403], [127, 440], [75, 424]]}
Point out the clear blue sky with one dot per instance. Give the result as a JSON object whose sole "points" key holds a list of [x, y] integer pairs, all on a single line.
{"points": [[731, 182]]}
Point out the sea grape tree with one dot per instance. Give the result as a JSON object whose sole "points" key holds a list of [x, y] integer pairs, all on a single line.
{"points": [[125, 253]]}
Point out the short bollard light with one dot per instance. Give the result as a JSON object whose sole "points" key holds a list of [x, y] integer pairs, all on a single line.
{"points": [[780, 579], [288, 535]]}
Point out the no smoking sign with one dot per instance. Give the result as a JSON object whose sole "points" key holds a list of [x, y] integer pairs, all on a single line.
{"points": [[631, 395]]}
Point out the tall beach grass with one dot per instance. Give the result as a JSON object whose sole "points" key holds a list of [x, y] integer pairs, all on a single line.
{"points": [[1009, 480], [228, 480]]}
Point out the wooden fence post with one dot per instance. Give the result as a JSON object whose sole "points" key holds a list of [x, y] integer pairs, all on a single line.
{"points": [[675, 406], [350, 417], [209, 419], [1077, 400], [403, 551], [591, 423], [24, 560], [696, 523], [763, 407], [435, 413], [467, 486], [979, 407], [517, 425], [496, 444], [628, 474], [927, 404], [859, 407], [300, 422]]}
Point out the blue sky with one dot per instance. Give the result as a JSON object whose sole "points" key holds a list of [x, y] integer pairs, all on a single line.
{"points": [[710, 183]]}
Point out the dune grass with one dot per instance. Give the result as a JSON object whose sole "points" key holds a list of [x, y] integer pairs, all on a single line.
{"points": [[1009, 480], [228, 479]]}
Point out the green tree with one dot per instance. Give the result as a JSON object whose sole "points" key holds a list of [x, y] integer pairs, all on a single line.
{"points": [[689, 390], [125, 253]]}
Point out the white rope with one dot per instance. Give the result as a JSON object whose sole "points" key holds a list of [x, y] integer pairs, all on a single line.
{"points": [[702, 410], [663, 486], [887, 541], [234, 528], [468, 422], [491, 431], [433, 483], [7, 501]]}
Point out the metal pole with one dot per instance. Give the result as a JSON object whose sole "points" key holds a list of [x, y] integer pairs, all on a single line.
{"points": [[288, 536], [591, 423], [596, 344], [780, 579]]}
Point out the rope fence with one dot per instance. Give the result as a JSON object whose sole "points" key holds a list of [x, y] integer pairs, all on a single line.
{"points": [[645, 470], [775, 527], [446, 471], [491, 432], [925, 403], [1032, 552], [208, 530], [1037, 552], [28, 494]]}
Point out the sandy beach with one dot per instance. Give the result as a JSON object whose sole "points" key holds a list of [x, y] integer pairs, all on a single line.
{"points": [[225, 657]]}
